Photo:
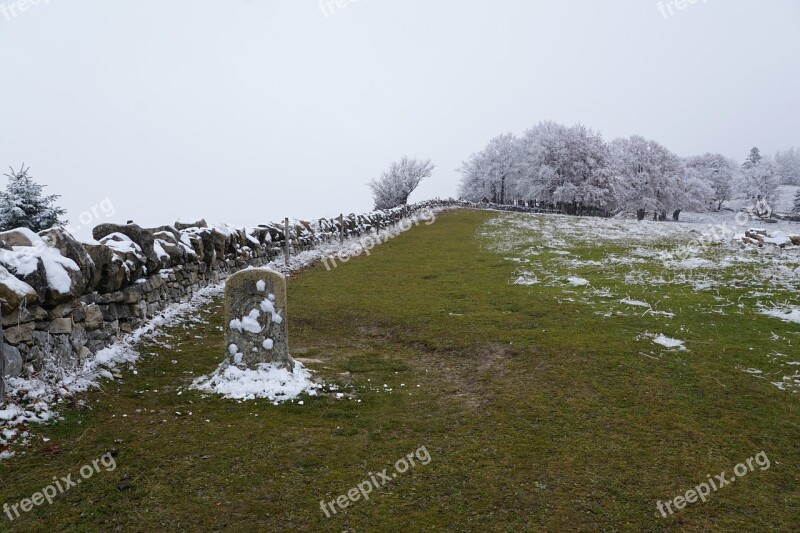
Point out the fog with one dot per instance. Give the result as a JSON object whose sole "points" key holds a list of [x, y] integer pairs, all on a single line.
{"points": [[249, 111]]}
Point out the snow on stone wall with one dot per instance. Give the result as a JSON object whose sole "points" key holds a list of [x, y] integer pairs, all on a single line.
{"points": [[64, 300]]}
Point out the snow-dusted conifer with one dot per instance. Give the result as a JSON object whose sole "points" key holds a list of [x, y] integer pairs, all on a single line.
{"points": [[23, 205]]}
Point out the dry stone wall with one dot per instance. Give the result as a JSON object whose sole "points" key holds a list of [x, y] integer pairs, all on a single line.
{"points": [[64, 300]]}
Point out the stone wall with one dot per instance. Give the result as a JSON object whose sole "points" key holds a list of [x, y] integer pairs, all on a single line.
{"points": [[64, 300]]}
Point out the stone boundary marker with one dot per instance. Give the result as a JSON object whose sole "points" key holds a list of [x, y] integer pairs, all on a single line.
{"points": [[256, 326]]}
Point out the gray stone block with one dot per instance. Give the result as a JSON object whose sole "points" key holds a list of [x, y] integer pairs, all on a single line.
{"points": [[18, 334], [61, 325], [13, 361]]}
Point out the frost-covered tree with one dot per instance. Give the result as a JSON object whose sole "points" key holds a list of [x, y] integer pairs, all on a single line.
{"points": [[758, 184], [545, 152], [789, 163], [493, 172], [590, 169], [797, 203], [753, 159], [648, 176], [550, 163], [719, 172], [395, 185], [23, 205], [567, 165], [576, 169], [693, 192]]}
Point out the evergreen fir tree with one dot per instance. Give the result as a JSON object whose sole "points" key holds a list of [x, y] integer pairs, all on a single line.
{"points": [[753, 159], [22, 205], [797, 203]]}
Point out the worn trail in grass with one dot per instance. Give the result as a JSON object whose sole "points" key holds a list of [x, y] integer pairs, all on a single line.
{"points": [[538, 412]]}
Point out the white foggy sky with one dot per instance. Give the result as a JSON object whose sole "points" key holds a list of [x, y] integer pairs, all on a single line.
{"points": [[247, 111]]}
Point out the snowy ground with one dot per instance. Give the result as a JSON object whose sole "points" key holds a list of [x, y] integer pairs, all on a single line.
{"points": [[621, 256], [704, 252], [785, 201], [38, 399]]}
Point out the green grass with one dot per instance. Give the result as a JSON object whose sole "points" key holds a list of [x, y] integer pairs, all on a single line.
{"points": [[537, 413]]}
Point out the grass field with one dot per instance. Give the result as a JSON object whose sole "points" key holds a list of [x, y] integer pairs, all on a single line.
{"points": [[542, 407]]}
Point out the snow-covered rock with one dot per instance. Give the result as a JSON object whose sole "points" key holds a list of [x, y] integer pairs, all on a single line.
{"points": [[141, 237], [54, 277], [14, 291]]}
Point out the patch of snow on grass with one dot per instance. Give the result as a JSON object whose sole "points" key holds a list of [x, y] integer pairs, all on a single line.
{"points": [[637, 303], [668, 342], [575, 281], [692, 263], [275, 383], [787, 314], [525, 279]]}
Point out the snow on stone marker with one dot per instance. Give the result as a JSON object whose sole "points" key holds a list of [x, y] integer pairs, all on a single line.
{"points": [[257, 362], [256, 329]]}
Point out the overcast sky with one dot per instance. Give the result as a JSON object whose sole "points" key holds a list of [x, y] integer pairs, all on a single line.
{"points": [[247, 111]]}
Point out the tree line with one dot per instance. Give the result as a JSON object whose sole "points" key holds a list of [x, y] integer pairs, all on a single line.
{"points": [[575, 170]]}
